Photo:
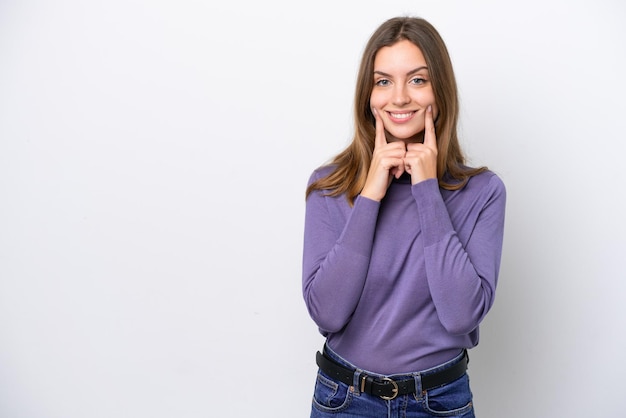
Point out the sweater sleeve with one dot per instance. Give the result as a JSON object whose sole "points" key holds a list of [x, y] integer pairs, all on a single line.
{"points": [[336, 259], [462, 277]]}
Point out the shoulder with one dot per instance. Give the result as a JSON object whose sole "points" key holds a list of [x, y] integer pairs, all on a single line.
{"points": [[321, 172], [486, 184], [487, 189], [487, 180]]}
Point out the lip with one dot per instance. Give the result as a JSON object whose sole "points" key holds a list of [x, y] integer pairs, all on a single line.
{"points": [[402, 116]]}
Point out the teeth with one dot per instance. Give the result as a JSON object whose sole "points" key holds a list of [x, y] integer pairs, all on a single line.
{"points": [[401, 115]]}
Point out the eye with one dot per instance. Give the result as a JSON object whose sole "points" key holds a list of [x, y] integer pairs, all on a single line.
{"points": [[418, 80], [382, 82]]}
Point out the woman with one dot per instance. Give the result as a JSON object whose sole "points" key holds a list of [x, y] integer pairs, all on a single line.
{"points": [[402, 240]]}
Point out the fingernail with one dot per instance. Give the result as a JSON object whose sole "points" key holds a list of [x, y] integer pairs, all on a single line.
{"points": [[430, 108]]}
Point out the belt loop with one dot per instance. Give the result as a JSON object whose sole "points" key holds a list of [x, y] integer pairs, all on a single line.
{"points": [[418, 385], [356, 382]]}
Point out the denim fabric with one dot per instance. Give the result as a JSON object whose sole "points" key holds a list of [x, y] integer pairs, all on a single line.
{"points": [[338, 400]]}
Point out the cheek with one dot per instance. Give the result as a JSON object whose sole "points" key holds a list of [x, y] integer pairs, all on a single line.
{"points": [[429, 99], [426, 97], [376, 100]]}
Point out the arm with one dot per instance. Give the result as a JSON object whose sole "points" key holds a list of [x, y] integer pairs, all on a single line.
{"points": [[336, 259], [462, 278]]}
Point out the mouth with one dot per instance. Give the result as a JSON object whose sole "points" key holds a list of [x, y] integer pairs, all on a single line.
{"points": [[400, 117]]}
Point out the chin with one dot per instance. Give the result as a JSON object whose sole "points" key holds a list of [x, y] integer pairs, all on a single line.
{"points": [[411, 137]]}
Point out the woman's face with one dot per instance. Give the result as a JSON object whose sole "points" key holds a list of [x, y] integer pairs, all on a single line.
{"points": [[402, 91]]}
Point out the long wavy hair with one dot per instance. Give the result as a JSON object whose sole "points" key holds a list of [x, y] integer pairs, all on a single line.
{"points": [[352, 164]]}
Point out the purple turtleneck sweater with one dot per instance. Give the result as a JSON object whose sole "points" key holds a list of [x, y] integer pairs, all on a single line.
{"points": [[401, 285]]}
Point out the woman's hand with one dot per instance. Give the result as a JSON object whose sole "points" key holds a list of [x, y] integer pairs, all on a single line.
{"points": [[420, 160], [388, 160]]}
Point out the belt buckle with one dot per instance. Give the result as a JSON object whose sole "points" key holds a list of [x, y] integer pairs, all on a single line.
{"points": [[394, 391]]}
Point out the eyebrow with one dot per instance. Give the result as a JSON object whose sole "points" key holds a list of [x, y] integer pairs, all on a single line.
{"points": [[418, 69]]}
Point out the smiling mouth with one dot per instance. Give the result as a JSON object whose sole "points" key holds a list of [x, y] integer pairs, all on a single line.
{"points": [[401, 116]]}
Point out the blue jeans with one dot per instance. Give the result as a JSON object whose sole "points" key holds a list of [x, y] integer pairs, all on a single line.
{"points": [[338, 400]]}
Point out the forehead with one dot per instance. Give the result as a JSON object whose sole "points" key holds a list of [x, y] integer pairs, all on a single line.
{"points": [[402, 55]]}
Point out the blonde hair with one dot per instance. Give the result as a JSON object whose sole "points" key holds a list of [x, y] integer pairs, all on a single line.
{"points": [[352, 164]]}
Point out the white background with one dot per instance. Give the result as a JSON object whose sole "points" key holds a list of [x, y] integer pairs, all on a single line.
{"points": [[153, 161]]}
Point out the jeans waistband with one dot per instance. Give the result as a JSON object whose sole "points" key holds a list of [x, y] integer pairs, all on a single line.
{"points": [[391, 386]]}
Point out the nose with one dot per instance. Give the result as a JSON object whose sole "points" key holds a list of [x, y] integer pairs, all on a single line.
{"points": [[400, 95]]}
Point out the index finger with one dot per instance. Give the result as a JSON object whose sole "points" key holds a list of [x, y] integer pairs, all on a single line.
{"points": [[430, 137], [380, 139]]}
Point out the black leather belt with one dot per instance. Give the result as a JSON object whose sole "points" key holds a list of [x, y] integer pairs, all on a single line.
{"points": [[385, 387]]}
